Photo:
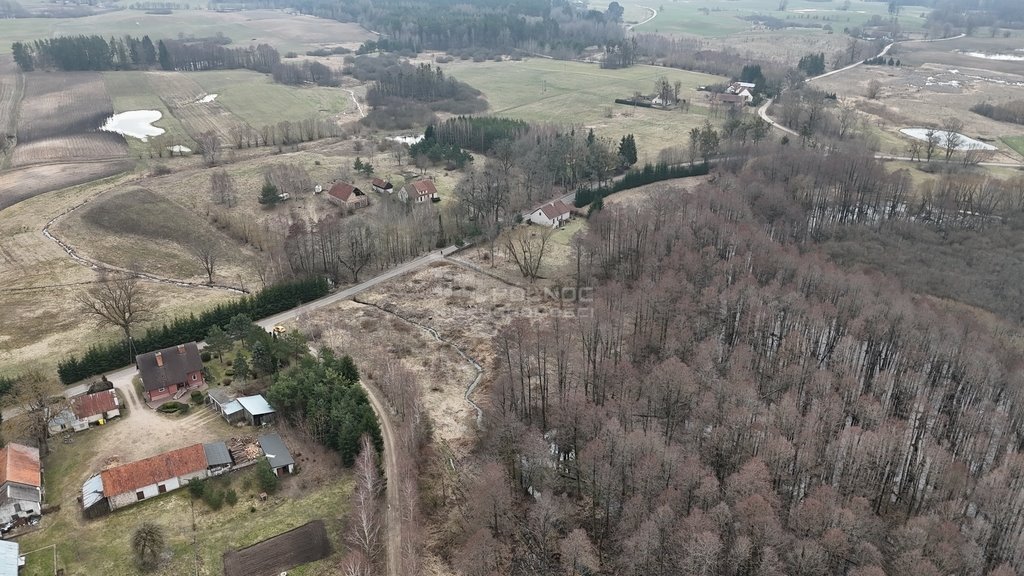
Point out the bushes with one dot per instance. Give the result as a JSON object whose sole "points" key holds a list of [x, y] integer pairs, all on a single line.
{"points": [[211, 493], [172, 407], [196, 487], [266, 478], [110, 356], [205, 356], [197, 397], [231, 497], [226, 382]]}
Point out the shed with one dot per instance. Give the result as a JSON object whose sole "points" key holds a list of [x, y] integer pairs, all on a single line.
{"points": [[94, 503], [224, 403], [218, 457], [281, 461], [10, 558], [257, 410]]}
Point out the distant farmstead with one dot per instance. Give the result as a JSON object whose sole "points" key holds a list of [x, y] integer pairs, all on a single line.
{"points": [[167, 371]]}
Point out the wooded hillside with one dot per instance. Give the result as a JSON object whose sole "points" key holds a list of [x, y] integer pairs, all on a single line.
{"points": [[729, 402]]}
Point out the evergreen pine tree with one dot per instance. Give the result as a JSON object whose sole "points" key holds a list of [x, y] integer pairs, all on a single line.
{"points": [[164, 56], [269, 195]]}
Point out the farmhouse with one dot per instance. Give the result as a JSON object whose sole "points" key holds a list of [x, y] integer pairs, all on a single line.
{"points": [[419, 191], [381, 186], [85, 410], [20, 482], [167, 371], [554, 214], [347, 195], [137, 481], [10, 558], [734, 100], [280, 459]]}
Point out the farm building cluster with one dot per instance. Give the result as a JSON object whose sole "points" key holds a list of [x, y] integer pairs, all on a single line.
{"points": [[349, 196], [86, 410], [255, 410], [124, 485]]}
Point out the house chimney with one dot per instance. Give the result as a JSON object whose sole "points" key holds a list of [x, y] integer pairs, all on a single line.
{"points": [[159, 359], [181, 349]]}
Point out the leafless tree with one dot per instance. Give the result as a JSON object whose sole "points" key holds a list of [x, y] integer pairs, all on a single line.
{"points": [[952, 127], [358, 247], [222, 188], [914, 149], [364, 534], [873, 89], [398, 150], [931, 143], [526, 245], [208, 254], [40, 399], [237, 132], [209, 147], [118, 301], [847, 116]]}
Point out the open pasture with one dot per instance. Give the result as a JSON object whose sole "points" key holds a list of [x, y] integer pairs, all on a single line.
{"points": [[23, 183], [711, 18], [258, 101], [250, 27], [550, 91], [139, 228], [73, 148], [183, 96]]}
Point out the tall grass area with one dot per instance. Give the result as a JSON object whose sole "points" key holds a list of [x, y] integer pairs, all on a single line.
{"points": [[257, 100]]}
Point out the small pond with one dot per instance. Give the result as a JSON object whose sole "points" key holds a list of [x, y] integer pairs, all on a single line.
{"points": [[966, 143], [134, 123]]}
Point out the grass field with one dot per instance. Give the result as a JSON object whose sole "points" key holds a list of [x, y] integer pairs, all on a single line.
{"points": [[283, 31], [711, 18], [549, 91], [101, 546], [1015, 142], [255, 98], [133, 91]]}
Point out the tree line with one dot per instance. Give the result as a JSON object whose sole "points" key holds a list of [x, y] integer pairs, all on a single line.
{"points": [[1012, 111], [101, 358], [94, 53], [304, 73]]}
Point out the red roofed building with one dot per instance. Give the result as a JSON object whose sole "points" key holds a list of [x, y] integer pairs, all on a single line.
{"points": [[94, 407], [381, 186], [21, 481], [136, 481], [419, 191], [345, 194], [554, 214]]}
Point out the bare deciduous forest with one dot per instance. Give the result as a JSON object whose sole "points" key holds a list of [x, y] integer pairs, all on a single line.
{"points": [[731, 402]]}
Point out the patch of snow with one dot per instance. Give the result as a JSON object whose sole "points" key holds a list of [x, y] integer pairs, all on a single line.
{"points": [[207, 99], [134, 123], [179, 149], [966, 143], [410, 140], [1002, 57]]}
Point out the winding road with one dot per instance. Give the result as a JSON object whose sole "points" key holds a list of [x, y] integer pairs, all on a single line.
{"points": [[654, 14]]}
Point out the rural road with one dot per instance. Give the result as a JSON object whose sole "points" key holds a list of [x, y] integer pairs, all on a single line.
{"points": [[356, 100], [654, 14]]}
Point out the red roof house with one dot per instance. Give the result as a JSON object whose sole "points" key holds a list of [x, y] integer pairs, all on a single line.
{"points": [[21, 480], [553, 214], [419, 191], [345, 194]]}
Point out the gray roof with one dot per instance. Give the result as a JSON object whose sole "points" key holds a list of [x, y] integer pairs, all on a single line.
{"points": [[274, 448], [178, 361], [92, 491], [8, 558], [217, 454], [256, 405], [22, 492], [231, 407], [220, 395]]}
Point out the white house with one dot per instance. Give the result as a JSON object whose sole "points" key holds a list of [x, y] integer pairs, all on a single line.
{"points": [[142, 479], [418, 191], [554, 214], [21, 480]]}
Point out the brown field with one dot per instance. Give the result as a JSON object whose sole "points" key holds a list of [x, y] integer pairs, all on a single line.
{"points": [[62, 104], [181, 94], [72, 148], [12, 82], [23, 183], [276, 555], [934, 83]]}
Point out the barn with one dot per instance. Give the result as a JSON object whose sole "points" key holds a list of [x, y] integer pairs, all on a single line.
{"points": [[142, 479]]}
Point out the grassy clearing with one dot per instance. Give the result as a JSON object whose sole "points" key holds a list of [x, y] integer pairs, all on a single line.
{"points": [[550, 91], [101, 546], [283, 31], [255, 98], [710, 18], [1015, 142]]}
